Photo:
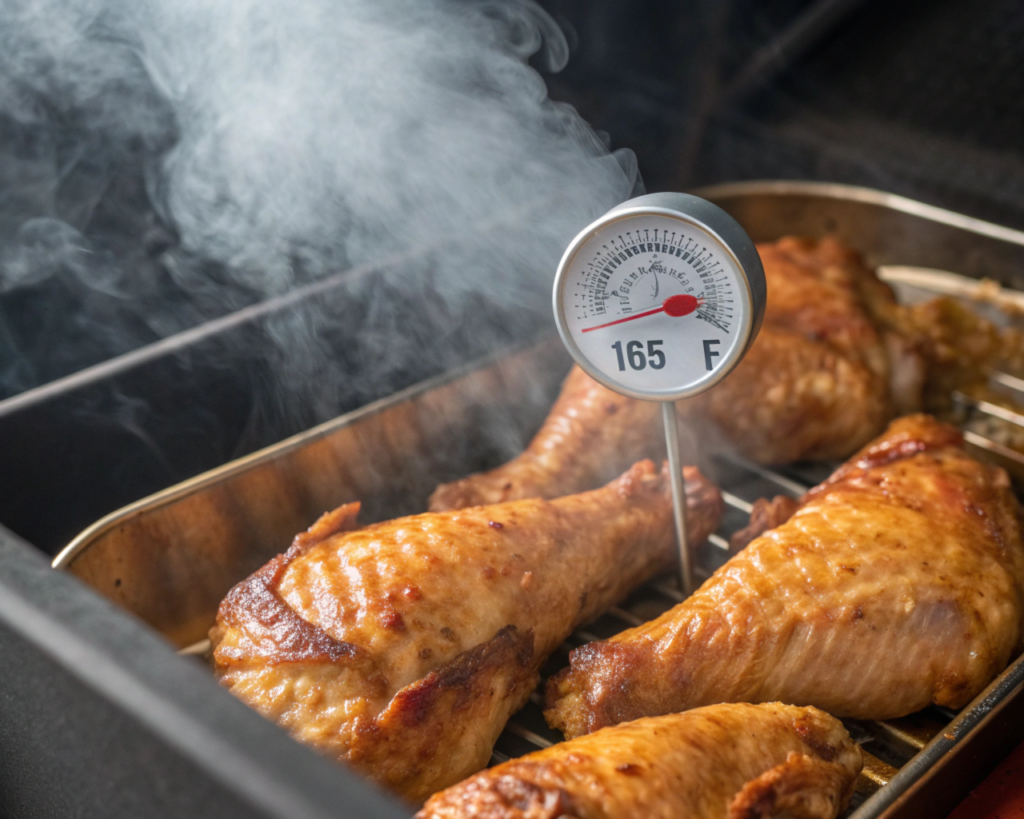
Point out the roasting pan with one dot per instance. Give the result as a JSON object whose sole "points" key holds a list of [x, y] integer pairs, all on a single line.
{"points": [[169, 558]]}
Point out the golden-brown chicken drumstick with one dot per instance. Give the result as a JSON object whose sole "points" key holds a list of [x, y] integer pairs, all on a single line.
{"points": [[897, 583], [835, 360], [402, 648], [720, 762]]}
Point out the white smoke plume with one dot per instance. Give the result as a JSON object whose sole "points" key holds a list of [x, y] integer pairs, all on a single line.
{"points": [[279, 142], [315, 134]]}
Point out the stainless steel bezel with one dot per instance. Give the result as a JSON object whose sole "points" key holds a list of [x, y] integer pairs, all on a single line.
{"points": [[707, 218]]}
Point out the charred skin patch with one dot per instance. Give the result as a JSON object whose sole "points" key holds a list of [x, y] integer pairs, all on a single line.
{"points": [[277, 633], [461, 677]]}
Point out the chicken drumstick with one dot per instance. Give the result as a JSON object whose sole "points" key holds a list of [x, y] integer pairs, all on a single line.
{"points": [[402, 648], [719, 762], [897, 583]]}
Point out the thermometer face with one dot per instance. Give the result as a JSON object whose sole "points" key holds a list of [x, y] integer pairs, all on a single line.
{"points": [[653, 303]]}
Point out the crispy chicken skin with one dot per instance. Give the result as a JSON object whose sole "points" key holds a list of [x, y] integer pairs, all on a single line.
{"points": [[720, 762], [897, 583], [403, 647]]}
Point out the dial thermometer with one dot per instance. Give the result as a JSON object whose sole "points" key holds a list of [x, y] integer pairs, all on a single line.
{"points": [[660, 299]]}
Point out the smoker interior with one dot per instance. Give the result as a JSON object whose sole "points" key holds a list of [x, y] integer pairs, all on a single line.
{"points": [[147, 557], [918, 97], [170, 558]]}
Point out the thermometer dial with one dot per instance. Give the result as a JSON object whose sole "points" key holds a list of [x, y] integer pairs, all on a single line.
{"points": [[661, 297]]}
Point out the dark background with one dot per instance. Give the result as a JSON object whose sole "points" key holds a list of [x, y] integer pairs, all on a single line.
{"points": [[919, 97]]}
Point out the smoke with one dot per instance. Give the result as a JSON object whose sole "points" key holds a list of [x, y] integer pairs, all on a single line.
{"points": [[224, 153]]}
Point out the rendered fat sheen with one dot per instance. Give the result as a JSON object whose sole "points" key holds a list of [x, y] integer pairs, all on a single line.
{"points": [[615, 291]]}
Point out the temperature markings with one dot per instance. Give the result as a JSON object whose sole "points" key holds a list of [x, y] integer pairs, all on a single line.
{"points": [[611, 285], [720, 325], [624, 247], [635, 355]]}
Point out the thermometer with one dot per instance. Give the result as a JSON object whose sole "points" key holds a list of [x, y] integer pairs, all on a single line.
{"points": [[660, 299]]}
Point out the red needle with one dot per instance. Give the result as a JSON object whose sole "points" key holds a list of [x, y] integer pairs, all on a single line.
{"points": [[675, 306]]}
